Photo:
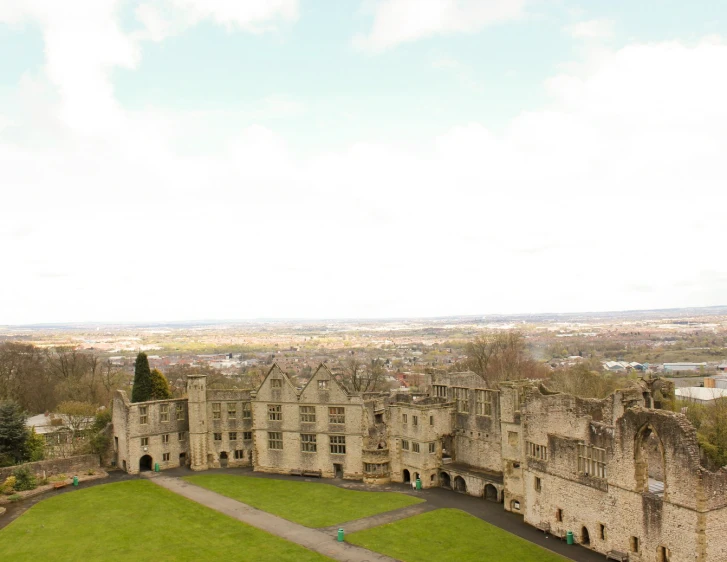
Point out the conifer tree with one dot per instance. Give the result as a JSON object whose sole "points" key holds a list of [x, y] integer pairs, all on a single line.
{"points": [[141, 392], [159, 386], [13, 433]]}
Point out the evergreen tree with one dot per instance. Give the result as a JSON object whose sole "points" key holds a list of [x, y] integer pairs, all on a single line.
{"points": [[13, 433], [159, 386], [141, 392]]}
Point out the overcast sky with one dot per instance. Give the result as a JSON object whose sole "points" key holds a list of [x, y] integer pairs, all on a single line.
{"points": [[218, 159]]}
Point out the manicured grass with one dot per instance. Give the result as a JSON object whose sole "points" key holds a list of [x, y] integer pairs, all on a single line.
{"points": [[136, 520], [307, 503], [449, 534]]}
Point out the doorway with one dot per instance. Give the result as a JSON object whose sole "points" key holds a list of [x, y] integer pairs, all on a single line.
{"points": [[585, 537], [490, 493], [223, 459], [145, 463], [445, 480], [460, 485], [407, 476], [338, 470], [664, 554], [182, 459]]}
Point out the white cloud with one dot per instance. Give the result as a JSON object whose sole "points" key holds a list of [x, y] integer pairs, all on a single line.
{"points": [[163, 18], [402, 21], [615, 186], [591, 29]]}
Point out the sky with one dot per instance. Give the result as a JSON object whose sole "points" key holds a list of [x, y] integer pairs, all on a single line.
{"points": [[227, 159]]}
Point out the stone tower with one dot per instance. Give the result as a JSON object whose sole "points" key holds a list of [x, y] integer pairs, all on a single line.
{"points": [[197, 404]]}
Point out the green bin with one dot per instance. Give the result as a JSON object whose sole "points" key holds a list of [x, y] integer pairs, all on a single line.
{"points": [[419, 483], [340, 535], [569, 537], [156, 467], [75, 480]]}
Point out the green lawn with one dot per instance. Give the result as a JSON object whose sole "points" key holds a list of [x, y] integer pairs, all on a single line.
{"points": [[307, 503], [449, 534], [137, 520]]}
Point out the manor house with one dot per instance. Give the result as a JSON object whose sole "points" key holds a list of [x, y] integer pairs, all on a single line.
{"points": [[623, 475]]}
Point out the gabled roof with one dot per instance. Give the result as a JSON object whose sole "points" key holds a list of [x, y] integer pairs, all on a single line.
{"points": [[324, 367], [286, 377]]}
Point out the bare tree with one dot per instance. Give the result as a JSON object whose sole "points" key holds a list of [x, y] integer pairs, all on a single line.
{"points": [[502, 356], [363, 374]]}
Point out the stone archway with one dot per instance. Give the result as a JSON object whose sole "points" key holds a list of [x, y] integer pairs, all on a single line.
{"points": [[406, 475], [145, 463], [223, 459], [585, 537], [491, 493], [649, 462], [445, 480], [460, 485]]}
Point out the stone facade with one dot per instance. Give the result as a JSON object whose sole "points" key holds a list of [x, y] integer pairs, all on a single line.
{"points": [[619, 474]]}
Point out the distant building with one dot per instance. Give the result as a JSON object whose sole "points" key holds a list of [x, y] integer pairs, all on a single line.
{"points": [[700, 394], [683, 367]]}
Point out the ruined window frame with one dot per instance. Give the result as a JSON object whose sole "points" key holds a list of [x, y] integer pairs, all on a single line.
{"points": [[180, 412], [432, 448], [216, 410], [415, 447], [231, 410], [239, 454], [592, 461], [275, 412], [276, 383], [415, 420], [163, 413], [404, 445], [538, 484], [246, 411], [337, 444], [535, 451], [144, 441], [166, 457], [308, 443], [337, 415], [404, 418], [275, 440], [307, 414], [232, 436], [180, 436], [247, 435], [483, 403], [323, 385], [461, 398], [165, 439], [143, 415], [440, 391], [217, 436]]}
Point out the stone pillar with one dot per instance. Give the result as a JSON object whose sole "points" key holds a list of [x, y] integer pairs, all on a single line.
{"points": [[197, 407]]}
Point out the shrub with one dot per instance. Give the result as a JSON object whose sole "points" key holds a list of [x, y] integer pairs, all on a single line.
{"points": [[8, 486], [24, 479], [15, 497], [90, 472]]}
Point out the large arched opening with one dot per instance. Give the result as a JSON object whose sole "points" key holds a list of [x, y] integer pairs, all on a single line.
{"points": [[145, 463], [650, 462], [223, 459], [490, 493], [460, 485], [445, 480], [407, 476]]}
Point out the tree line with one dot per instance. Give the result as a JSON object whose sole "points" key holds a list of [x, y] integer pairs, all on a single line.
{"points": [[39, 379]]}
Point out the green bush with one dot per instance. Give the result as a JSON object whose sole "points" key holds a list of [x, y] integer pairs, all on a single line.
{"points": [[8, 486], [24, 479], [15, 497]]}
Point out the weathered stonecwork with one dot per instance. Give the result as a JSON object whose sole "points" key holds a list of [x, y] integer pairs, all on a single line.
{"points": [[621, 474]]}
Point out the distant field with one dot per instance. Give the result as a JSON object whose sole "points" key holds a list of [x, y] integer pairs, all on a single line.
{"points": [[310, 504], [449, 535], [139, 521]]}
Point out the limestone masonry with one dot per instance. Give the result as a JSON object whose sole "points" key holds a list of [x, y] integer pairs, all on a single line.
{"points": [[623, 475]]}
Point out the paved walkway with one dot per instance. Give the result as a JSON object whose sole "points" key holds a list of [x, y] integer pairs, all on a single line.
{"points": [[312, 539], [380, 519]]}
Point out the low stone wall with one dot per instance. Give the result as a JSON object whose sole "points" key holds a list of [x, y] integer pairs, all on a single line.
{"points": [[69, 466]]}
